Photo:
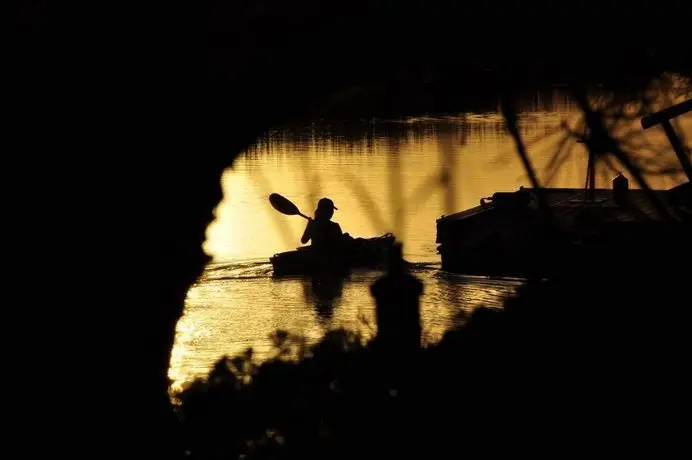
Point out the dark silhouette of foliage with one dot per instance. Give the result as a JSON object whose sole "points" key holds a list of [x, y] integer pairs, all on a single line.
{"points": [[591, 358]]}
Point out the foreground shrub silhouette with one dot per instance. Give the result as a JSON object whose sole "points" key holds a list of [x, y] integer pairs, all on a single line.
{"points": [[593, 358]]}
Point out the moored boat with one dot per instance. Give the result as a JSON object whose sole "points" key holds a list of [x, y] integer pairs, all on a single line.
{"points": [[368, 253]]}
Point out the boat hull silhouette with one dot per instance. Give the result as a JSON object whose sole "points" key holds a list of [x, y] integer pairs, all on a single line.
{"points": [[357, 253]]}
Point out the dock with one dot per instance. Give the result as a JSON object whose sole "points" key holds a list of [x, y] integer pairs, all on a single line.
{"points": [[508, 235]]}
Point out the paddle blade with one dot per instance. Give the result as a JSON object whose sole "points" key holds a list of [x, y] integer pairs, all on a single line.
{"points": [[283, 205]]}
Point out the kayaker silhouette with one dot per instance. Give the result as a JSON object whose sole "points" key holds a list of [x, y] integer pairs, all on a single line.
{"points": [[325, 234]]}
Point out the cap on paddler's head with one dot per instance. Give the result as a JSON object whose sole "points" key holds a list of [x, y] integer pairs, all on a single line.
{"points": [[326, 203]]}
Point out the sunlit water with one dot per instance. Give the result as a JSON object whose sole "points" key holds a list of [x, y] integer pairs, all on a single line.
{"points": [[383, 177]]}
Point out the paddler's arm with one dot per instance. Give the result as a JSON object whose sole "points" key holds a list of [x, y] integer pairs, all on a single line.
{"points": [[307, 234]]}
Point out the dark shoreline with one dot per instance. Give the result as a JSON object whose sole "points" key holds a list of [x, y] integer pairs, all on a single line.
{"points": [[383, 106]]}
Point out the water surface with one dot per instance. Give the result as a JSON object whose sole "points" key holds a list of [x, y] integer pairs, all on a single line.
{"points": [[392, 176]]}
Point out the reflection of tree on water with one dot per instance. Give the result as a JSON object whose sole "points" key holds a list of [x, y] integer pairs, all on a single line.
{"points": [[324, 292]]}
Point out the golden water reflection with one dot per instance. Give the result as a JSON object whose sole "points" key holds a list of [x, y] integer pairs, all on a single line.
{"points": [[237, 305]]}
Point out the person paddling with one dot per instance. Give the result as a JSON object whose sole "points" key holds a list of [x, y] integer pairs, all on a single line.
{"points": [[325, 235]]}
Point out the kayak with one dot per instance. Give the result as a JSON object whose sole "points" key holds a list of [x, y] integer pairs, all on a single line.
{"points": [[368, 253]]}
